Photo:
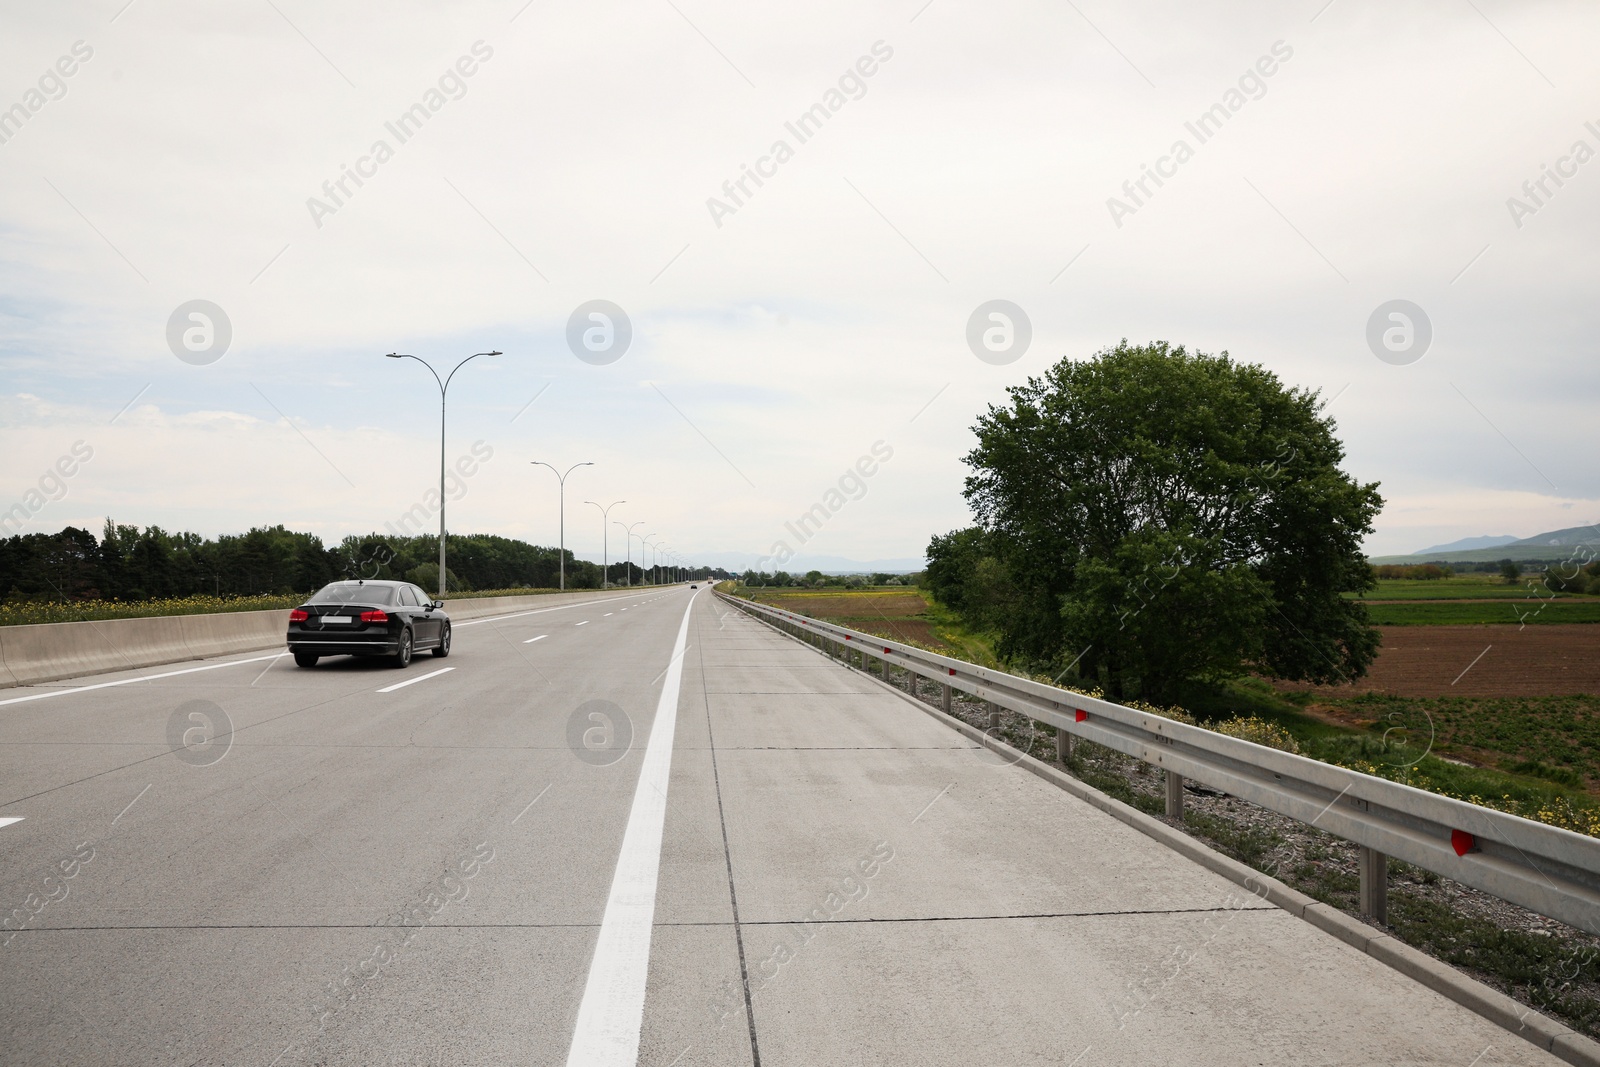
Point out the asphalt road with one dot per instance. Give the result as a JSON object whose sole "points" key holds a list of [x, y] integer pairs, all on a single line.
{"points": [[645, 830]]}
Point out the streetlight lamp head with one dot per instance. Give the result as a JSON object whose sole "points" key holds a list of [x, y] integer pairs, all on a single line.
{"points": [[394, 355]]}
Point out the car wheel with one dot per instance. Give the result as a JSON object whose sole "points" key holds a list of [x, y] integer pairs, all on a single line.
{"points": [[444, 643], [305, 659], [402, 658]]}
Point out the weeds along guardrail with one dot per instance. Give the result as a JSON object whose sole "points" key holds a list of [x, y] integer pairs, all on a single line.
{"points": [[1552, 871]]}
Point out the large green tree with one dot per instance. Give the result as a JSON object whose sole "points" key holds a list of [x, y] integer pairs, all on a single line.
{"points": [[1160, 515]]}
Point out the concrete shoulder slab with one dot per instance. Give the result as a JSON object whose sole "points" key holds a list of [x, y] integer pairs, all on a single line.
{"points": [[1517, 1018]]}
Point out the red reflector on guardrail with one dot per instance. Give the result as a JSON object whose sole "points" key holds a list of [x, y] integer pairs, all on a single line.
{"points": [[952, 672], [1462, 842], [847, 637], [887, 652], [1080, 715]]}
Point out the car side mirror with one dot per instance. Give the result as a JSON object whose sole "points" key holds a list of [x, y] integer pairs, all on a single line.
{"points": [[436, 604]]}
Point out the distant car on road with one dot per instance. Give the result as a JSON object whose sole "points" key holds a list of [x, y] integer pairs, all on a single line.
{"points": [[393, 619], [693, 586]]}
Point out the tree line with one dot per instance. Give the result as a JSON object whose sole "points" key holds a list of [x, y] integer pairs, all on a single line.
{"points": [[127, 563], [817, 580]]}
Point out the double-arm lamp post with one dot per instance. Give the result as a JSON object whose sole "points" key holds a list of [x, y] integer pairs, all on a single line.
{"points": [[605, 548], [444, 388], [562, 478], [644, 543], [628, 530]]}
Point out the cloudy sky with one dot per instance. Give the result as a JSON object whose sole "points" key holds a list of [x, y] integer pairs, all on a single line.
{"points": [[194, 153]]}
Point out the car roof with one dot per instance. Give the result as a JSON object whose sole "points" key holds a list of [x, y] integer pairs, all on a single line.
{"points": [[368, 581]]}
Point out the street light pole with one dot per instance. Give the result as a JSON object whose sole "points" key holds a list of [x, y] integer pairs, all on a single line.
{"points": [[605, 548], [628, 572], [444, 389], [562, 493], [644, 542]]}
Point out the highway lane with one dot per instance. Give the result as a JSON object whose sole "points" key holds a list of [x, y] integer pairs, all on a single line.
{"points": [[220, 915], [423, 876]]}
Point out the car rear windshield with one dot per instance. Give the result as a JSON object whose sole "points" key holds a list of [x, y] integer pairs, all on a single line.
{"points": [[353, 593]]}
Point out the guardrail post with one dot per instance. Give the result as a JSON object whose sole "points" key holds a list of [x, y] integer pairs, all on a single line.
{"points": [[944, 700], [911, 681], [885, 664], [1374, 866], [1063, 745], [1174, 795], [994, 714]]}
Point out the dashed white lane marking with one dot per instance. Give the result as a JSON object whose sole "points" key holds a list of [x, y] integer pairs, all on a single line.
{"points": [[585, 622], [130, 681], [8, 820], [607, 1033], [531, 640], [414, 681], [536, 611], [531, 803], [609, 614]]}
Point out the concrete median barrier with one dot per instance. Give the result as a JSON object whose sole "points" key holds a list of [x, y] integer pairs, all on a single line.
{"points": [[239, 631], [6, 677], [51, 651]]}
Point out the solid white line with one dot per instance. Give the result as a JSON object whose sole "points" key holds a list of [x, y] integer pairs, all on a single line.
{"points": [[531, 640], [418, 678], [11, 819], [130, 681], [585, 622], [607, 1033]]}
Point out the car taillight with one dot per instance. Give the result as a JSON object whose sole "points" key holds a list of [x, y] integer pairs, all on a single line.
{"points": [[374, 616], [299, 615]]}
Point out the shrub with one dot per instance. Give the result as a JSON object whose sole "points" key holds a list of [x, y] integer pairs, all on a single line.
{"points": [[1250, 728]]}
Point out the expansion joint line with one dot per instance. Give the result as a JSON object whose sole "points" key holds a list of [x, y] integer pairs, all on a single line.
{"points": [[727, 857]]}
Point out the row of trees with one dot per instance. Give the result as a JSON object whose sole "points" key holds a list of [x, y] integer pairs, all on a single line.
{"points": [[1416, 572], [127, 563], [1153, 516], [818, 580]]}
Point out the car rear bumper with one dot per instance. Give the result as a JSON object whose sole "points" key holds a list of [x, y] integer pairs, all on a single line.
{"points": [[344, 644]]}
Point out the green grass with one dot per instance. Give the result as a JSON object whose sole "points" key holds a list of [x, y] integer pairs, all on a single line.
{"points": [[1466, 586], [1449, 602], [1448, 613], [1545, 969], [1540, 749], [1556, 739], [967, 644]]}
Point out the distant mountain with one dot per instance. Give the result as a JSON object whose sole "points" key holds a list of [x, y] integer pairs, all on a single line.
{"points": [[1487, 541], [1551, 547], [1572, 535]]}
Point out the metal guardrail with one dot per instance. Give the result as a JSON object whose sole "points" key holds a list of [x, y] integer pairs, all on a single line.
{"points": [[1549, 870]]}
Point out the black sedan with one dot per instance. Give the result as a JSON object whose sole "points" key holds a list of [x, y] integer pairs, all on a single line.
{"points": [[393, 619]]}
